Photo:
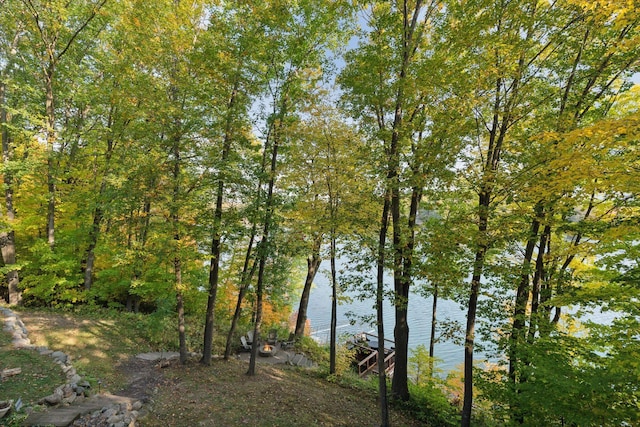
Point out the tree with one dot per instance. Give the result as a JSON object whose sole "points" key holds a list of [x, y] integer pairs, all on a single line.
{"points": [[325, 169], [55, 27], [513, 101], [297, 36], [9, 39], [506, 40], [236, 48], [393, 105]]}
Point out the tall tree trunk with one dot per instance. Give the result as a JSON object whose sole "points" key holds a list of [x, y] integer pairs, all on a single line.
{"points": [[134, 300], [334, 306], [313, 264], [470, 334], [177, 262], [402, 244], [496, 138], [400, 384], [264, 249], [383, 401], [7, 238], [245, 279], [522, 295], [520, 312], [182, 336], [537, 294], [51, 140], [432, 336], [244, 286], [214, 264], [93, 242], [257, 325], [98, 212]]}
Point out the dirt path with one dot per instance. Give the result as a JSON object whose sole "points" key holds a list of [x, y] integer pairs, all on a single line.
{"points": [[143, 378]]}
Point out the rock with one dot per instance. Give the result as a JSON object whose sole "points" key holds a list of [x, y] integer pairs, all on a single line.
{"points": [[22, 343], [55, 398], [109, 412], [75, 390], [115, 419], [10, 372], [69, 400], [59, 356], [67, 391], [44, 351]]}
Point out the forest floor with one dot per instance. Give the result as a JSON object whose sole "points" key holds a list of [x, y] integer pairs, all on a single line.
{"points": [[195, 395]]}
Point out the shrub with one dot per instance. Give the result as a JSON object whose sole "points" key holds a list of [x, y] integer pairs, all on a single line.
{"points": [[429, 403]]}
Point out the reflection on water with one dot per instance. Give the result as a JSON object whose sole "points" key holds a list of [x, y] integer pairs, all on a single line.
{"points": [[419, 317], [450, 354]]}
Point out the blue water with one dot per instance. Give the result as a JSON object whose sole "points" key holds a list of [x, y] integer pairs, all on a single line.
{"points": [[451, 355]]}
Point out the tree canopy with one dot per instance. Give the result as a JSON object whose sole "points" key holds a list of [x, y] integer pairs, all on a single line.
{"points": [[184, 157]]}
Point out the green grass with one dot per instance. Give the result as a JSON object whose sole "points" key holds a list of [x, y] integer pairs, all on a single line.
{"points": [[220, 394], [39, 377], [96, 342]]}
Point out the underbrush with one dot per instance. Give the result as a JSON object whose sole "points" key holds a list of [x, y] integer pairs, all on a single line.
{"points": [[429, 403]]}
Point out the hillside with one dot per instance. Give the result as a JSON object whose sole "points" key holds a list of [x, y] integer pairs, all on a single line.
{"points": [[220, 394]]}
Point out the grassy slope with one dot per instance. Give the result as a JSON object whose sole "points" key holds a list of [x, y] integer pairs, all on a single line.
{"points": [[39, 376], [218, 395]]}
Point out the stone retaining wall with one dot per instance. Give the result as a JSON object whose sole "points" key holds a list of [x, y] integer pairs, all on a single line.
{"points": [[75, 388]]}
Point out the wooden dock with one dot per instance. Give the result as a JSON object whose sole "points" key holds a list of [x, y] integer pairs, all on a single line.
{"points": [[366, 346]]}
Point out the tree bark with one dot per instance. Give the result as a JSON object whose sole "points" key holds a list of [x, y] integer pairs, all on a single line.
{"points": [[432, 337], [214, 264], [537, 295], [402, 243], [98, 212], [177, 262], [334, 306], [182, 336], [522, 295], [313, 264], [93, 242], [400, 384], [245, 279], [7, 238], [263, 252], [51, 139], [496, 138], [520, 312], [382, 375]]}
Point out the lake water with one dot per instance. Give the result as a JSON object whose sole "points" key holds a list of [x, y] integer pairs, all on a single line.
{"points": [[419, 318], [451, 355]]}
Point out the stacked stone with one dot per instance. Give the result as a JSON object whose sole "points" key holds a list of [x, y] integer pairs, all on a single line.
{"points": [[117, 415], [75, 389], [16, 328]]}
